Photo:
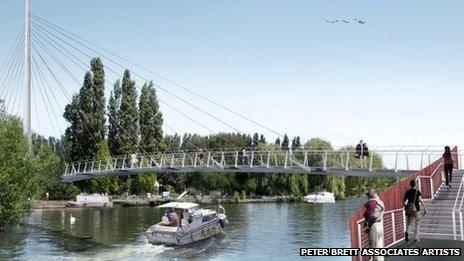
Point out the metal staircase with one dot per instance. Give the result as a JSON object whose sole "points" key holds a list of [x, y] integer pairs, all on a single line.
{"points": [[438, 222]]}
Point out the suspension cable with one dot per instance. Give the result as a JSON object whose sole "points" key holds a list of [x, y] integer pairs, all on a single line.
{"points": [[51, 25]]}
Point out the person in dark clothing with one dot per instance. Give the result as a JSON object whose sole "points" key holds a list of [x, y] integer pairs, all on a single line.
{"points": [[448, 165], [412, 208], [362, 152]]}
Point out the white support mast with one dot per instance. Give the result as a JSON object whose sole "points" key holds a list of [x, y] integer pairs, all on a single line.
{"points": [[27, 73]]}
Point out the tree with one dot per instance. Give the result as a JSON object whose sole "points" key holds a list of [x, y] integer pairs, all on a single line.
{"points": [[150, 121], [296, 143], [114, 142], [255, 140], [74, 133], [172, 142], [128, 116], [19, 179], [277, 141], [97, 117], [185, 141], [285, 143], [262, 140]]}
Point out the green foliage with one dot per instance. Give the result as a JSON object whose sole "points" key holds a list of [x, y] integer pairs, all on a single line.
{"points": [[236, 197], [285, 143], [173, 142], [19, 179], [128, 116], [143, 183], [242, 195], [114, 139], [150, 121], [97, 116]]}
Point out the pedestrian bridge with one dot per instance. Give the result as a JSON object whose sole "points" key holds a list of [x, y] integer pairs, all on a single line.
{"points": [[381, 163]]}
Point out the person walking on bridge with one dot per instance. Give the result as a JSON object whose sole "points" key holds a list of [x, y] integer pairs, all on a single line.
{"points": [[448, 165], [373, 217], [412, 198]]}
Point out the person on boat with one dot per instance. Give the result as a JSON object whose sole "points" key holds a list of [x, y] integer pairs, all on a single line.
{"points": [[448, 165], [362, 152], [373, 216], [412, 209]]}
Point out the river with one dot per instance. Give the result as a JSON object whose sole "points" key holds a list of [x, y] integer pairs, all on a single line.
{"points": [[268, 231]]}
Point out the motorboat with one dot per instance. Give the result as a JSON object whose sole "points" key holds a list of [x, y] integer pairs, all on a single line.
{"points": [[320, 197], [91, 200], [184, 223]]}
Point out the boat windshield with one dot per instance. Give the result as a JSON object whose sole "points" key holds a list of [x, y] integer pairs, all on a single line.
{"points": [[176, 218]]}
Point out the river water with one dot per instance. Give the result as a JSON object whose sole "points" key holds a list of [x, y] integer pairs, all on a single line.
{"points": [[268, 231]]}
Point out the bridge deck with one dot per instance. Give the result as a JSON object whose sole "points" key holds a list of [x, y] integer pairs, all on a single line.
{"points": [[289, 170], [384, 163]]}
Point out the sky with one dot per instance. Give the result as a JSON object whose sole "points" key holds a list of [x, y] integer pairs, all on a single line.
{"points": [[397, 79]]}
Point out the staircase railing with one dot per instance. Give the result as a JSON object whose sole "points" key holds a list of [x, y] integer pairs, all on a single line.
{"points": [[457, 210]]}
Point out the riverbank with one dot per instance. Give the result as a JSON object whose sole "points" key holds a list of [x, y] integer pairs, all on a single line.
{"points": [[155, 201]]}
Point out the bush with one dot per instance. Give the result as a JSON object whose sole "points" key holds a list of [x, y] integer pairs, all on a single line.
{"points": [[242, 195], [236, 197], [19, 180]]}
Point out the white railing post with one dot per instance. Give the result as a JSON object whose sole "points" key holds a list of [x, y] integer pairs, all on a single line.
{"points": [[432, 193], [141, 162], [403, 216], [161, 161], [460, 161], [268, 158], [407, 161], [172, 160], [396, 162], [347, 160], [453, 215], [123, 163], [252, 158], [393, 225], [305, 161], [371, 161], [325, 161], [286, 158], [341, 158], [422, 161], [222, 160], [461, 225], [209, 158], [236, 159], [183, 160], [195, 160]]}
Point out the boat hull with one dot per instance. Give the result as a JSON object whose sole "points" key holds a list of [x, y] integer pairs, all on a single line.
{"points": [[184, 237]]}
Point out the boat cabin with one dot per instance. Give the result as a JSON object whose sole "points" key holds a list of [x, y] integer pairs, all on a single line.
{"points": [[178, 214]]}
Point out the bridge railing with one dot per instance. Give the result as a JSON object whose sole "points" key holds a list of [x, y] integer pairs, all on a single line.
{"points": [[457, 213], [303, 159], [428, 181]]}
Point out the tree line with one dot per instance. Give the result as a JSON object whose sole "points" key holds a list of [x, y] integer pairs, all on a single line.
{"points": [[134, 125]]}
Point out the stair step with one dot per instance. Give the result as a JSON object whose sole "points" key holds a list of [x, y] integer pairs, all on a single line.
{"points": [[440, 225], [436, 236]]}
